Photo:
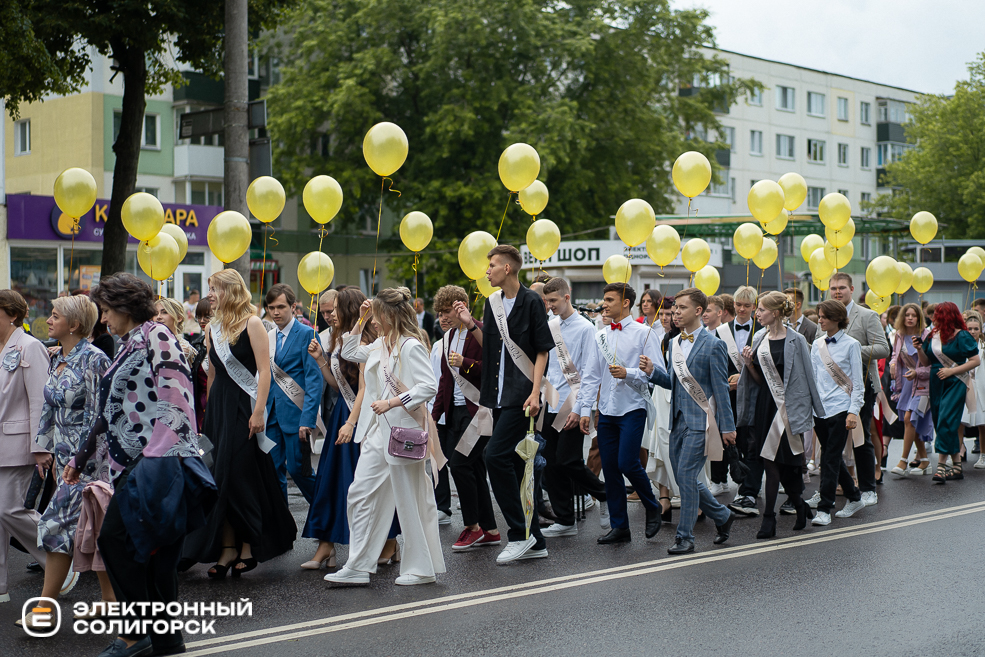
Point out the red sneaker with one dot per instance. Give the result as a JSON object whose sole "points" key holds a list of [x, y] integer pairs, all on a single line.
{"points": [[489, 539], [467, 539]]}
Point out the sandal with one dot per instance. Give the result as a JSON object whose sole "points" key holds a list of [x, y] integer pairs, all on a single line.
{"points": [[668, 514], [219, 570], [922, 467], [956, 472], [940, 476]]}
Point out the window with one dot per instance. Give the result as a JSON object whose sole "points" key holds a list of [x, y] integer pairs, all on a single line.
{"points": [[865, 161], [889, 153], [843, 192], [815, 104], [151, 130], [865, 113], [785, 98], [756, 98], [842, 109], [866, 197], [153, 191], [34, 273], [815, 151], [893, 111], [843, 155], [719, 189], [22, 137], [728, 136], [814, 196], [784, 147], [756, 142], [732, 189]]}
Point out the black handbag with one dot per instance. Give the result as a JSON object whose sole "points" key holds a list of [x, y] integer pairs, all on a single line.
{"points": [[40, 491], [736, 468]]}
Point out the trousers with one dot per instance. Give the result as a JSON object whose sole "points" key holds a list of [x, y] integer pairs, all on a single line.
{"points": [[505, 469], [469, 473], [620, 438], [442, 493], [566, 470], [749, 449], [832, 435], [288, 457], [865, 454], [16, 521], [687, 457]]}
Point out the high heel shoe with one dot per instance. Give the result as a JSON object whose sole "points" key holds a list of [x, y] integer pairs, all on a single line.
{"points": [[219, 570], [668, 515], [393, 558], [248, 565], [804, 513], [768, 530], [327, 562]]}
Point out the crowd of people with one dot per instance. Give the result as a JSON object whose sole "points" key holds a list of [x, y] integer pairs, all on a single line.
{"points": [[201, 412]]}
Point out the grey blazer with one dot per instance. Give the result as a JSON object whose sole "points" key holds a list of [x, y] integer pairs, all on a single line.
{"points": [[808, 329], [800, 391], [864, 326]]}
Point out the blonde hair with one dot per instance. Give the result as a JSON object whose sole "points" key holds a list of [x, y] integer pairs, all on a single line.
{"points": [[777, 302], [975, 316], [78, 309], [745, 294], [328, 295], [175, 310], [393, 306], [234, 305], [900, 325]]}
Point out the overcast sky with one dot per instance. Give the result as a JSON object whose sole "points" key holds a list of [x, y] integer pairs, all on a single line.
{"points": [[915, 44]]}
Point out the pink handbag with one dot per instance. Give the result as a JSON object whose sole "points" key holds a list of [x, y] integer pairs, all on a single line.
{"points": [[408, 443]]}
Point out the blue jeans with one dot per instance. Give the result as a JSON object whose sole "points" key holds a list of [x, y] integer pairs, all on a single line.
{"points": [[287, 457], [619, 440], [687, 458]]}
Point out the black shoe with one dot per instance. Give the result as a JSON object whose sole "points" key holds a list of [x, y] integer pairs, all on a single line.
{"points": [[882, 463], [724, 529], [768, 530], [804, 513], [788, 509], [681, 546], [35, 567], [653, 521], [745, 506], [119, 649], [615, 536]]}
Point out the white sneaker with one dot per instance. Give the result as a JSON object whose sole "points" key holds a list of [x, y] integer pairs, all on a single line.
{"points": [[870, 498], [514, 550], [70, 581], [780, 491], [589, 502], [815, 500], [715, 489], [414, 580], [812, 468], [822, 519], [348, 576], [557, 529], [533, 554], [675, 502], [444, 518], [604, 515], [980, 465], [849, 510]]}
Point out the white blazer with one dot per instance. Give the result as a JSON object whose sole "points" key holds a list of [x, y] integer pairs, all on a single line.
{"points": [[411, 363]]}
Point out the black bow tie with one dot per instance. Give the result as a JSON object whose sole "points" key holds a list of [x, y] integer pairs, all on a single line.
{"points": [[830, 340], [744, 327]]}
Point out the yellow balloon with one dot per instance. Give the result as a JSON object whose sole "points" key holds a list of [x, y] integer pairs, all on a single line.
{"points": [[923, 227], [794, 190], [767, 255], [472, 253], [543, 239], [819, 265], [877, 303], [821, 283], [265, 198], [179, 236], [776, 226], [416, 231], [906, 278], [519, 166], [143, 215], [883, 275], [617, 269], [834, 210], [923, 279], [534, 197], [978, 251], [229, 235], [485, 287], [840, 238], [970, 267], [809, 245], [695, 254], [691, 173], [663, 245], [634, 221], [158, 257], [322, 198], [315, 272], [838, 257], [765, 200], [75, 192], [707, 279], [385, 148], [747, 240]]}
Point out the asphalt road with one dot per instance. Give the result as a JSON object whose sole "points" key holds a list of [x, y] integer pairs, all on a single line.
{"points": [[900, 578]]}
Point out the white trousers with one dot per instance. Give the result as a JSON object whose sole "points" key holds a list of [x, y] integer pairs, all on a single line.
{"points": [[383, 483], [15, 520]]}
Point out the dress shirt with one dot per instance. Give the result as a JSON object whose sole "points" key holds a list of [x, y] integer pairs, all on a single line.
{"points": [[747, 328], [507, 308], [684, 345], [420, 319], [796, 324], [579, 338], [846, 352], [286, 331], [457, 339], [616, 397]]}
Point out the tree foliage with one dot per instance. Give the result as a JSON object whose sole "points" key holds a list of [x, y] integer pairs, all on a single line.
{"points": [[594, 85], [945, 172]]}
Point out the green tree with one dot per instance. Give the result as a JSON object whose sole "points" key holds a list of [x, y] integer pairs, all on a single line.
{"points": [[944, 173], [46, 49], [594, 85]]}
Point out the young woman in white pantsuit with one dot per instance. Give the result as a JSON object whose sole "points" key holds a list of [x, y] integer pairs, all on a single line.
{"points": [[384, 482]]}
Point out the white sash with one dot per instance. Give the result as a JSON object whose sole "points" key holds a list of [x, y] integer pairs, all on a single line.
{"points": [[842, 381], [924, 402], [241, 377], [714, 449], [568, 370], [295, 393], [344, 388], [482, 421], [725, 333], [640, 387], [781, 423], [966, 377]]}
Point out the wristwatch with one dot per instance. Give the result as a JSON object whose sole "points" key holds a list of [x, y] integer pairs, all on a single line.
{"points": [[474, 327]]}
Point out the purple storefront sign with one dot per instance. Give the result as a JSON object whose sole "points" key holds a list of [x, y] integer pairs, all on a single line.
{"points": [[38, 218]]}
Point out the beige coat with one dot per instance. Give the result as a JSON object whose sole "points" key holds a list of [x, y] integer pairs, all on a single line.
{"points": [[21, 399]]}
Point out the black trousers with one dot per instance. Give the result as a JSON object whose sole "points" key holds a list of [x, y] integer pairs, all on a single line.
{"points": [[832, 435], [442, 492], [719, 471], [154, 581], [566, 469], [505, 469], [750, 456], [469, 472], [865, 455]]}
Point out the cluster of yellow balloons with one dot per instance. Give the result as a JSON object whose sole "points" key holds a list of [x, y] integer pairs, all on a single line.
{"points": [[158, 253], [971, 264]]}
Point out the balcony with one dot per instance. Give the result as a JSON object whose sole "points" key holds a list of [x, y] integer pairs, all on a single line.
{"points": [[890, 132], [194, 161]]}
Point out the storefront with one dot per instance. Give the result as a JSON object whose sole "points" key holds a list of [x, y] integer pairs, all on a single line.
{"points": [[44, 260]]}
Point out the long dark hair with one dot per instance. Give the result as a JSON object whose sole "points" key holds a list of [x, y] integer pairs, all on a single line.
{"points": [[948, 321], [347, 311]]}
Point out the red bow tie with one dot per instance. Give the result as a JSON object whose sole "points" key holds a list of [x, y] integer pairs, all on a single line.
{"points": [[615, 326]]}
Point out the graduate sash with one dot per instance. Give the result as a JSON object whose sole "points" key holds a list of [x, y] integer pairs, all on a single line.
{"points": [[569, 371], [640, 387], [241, 377], [725, 333], [842, 381], [295, 393], [966, 377], [482, 421], [714, 449], [781, 423]]}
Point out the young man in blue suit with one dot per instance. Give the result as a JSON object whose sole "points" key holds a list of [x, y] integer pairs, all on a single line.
{"points": [[701, 414], [289, 424]]}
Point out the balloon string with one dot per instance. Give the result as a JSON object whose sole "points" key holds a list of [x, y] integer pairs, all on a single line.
{"points": [[263, 264], [416, 255], [688, 215], [311, 309], [379, 219], [505, 210], [747, 272]]}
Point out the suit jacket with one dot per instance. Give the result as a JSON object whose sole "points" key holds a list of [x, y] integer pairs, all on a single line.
{"points": [[864, 325], [427, 325], [809, 330], [707, 364], [800, 391], [748, 343], [294, 359], [471, 371], [22, 399]]}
